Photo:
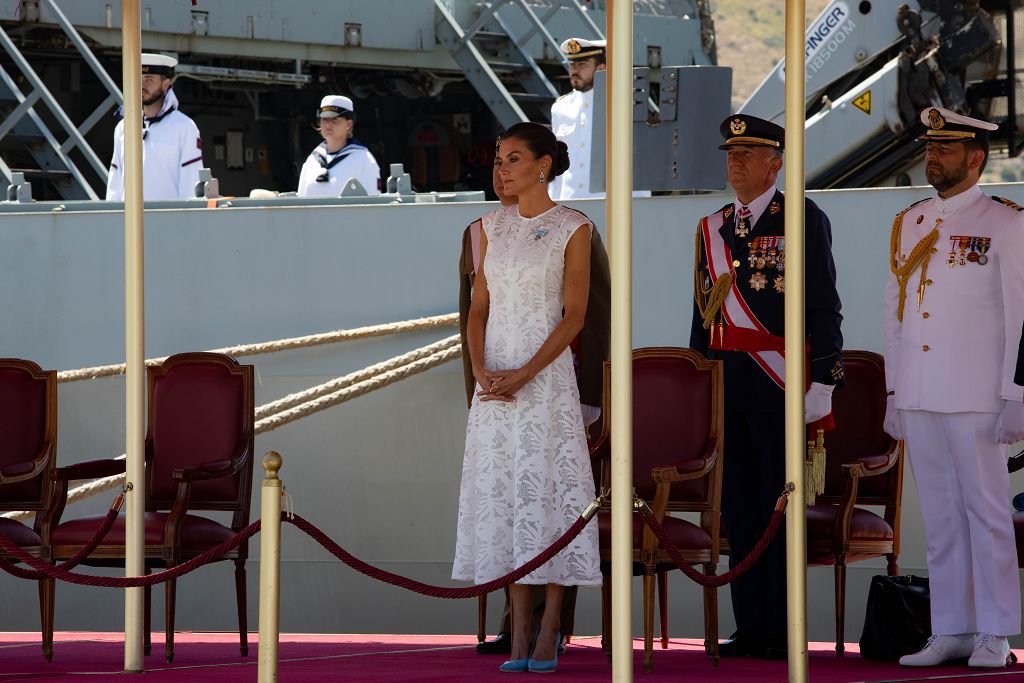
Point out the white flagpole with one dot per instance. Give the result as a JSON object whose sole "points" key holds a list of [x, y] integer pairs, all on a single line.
{"points": [[620, 238], [134, 308], [796, 430]]}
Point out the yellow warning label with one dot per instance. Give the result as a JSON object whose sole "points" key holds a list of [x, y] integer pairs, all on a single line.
{"points": [[863, 102]]}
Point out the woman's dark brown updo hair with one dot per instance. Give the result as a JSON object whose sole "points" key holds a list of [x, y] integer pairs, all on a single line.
{"points": [[542, 142]]}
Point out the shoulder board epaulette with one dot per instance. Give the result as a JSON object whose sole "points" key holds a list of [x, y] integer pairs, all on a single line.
{"points": [[562, 97], [915, 204], [1008, 202]]}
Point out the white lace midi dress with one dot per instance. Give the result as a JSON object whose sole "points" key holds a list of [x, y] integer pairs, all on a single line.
{"points": [[526, 474]]}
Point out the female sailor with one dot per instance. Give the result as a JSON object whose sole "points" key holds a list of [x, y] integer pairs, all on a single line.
{"points": [[339, 157]]}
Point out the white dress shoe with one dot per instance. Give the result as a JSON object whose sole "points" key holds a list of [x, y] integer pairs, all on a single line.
{"points": [[990, 652], [941, 649]]}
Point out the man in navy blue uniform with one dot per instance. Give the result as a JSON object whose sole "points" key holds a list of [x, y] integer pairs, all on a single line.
{"points": [[738, 318]]}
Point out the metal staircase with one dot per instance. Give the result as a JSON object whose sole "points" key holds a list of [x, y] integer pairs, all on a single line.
{"points": [[496, 62], [27, 145]]}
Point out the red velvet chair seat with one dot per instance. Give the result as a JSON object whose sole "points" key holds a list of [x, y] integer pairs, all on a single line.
{"points": [[685, 535], [19, 533], [864, 524], [197, 533]]}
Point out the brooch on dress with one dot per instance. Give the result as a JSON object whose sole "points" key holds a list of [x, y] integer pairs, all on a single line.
{"points": [[538, 233]]}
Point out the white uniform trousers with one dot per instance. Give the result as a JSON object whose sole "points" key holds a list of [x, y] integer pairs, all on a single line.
{"points": [[965, 499]]}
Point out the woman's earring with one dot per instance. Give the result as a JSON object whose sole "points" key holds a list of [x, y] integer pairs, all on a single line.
{"points": [[541, 179]]}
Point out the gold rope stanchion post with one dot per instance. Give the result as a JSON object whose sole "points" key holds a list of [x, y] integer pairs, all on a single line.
{"points": [[270, 568]]}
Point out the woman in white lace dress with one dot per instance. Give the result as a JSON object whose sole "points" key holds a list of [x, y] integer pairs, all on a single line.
{"points": [[526, 474]]}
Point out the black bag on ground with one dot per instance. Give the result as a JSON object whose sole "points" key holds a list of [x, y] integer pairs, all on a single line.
{"points": [[898, 620]]}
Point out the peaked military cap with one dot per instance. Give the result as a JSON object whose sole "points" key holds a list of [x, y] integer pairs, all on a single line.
{"points": [[581, 48], [945, 125], [750, 131], [158, 64]]}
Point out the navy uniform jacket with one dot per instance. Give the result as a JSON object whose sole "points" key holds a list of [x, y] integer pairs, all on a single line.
{"points": [[747, 387]]}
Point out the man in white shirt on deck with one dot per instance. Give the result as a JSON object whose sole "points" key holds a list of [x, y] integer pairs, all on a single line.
{"points": [[172, 151], [954, 304]]}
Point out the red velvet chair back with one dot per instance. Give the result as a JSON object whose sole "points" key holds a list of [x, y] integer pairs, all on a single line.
{"points": [[677, 413], [859, 410], [28, 433], [200, 415]]}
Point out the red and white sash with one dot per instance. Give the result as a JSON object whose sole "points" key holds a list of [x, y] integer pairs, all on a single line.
{"points": [[735, 310]]}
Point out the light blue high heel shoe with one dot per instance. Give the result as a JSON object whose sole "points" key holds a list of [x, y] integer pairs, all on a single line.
{"points": [[515, 666], [549, 666]]}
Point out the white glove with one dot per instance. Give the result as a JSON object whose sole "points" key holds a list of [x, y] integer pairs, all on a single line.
{"points": [[1010, 425], [893, 424], [818, 402]]}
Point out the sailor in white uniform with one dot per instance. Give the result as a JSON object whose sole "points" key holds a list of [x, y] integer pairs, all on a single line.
{"points": [[954, 305], [340, 156], [572, 120], [572, 115], [172, 151]]}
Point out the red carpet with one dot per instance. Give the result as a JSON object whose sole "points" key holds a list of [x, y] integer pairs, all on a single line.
{"points": [[306, 657]]}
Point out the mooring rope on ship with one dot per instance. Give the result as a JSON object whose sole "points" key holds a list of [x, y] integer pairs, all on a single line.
{"points": [[416, 325], [304, 403]]}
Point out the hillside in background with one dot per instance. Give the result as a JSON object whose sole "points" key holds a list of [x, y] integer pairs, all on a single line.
{"points": [[752, 39]]}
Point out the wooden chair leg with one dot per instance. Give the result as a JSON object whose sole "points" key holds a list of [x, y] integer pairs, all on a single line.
{"points": [[147, 618], [711, 618], [481, 618], [46, 598], [892, 567], [169, 591], [663, 606], [243, 621], [648, 598], [606, 605], [840, 607]]}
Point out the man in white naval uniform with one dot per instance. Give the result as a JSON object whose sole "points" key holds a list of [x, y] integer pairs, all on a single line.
{"points": [[172, 151], [572, 117], [954, 305]]}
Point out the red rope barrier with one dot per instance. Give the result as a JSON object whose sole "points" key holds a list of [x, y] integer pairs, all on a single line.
{"points": [[43, 570], [82, 553], [429, 589], [739, 570], [101, 533]]}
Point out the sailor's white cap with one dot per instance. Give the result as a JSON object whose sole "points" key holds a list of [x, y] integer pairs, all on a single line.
{"points": [[335, 105], [944, 124], [153, 63], [581, 48]]}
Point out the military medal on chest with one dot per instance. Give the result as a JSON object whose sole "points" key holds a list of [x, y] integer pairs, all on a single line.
{"points": [[966, 249], [767, 252]]}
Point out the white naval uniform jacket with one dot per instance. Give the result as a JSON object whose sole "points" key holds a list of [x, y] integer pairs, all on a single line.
{"points": [[172, 154], [571, 117], [358, 163], [957, 351]]}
